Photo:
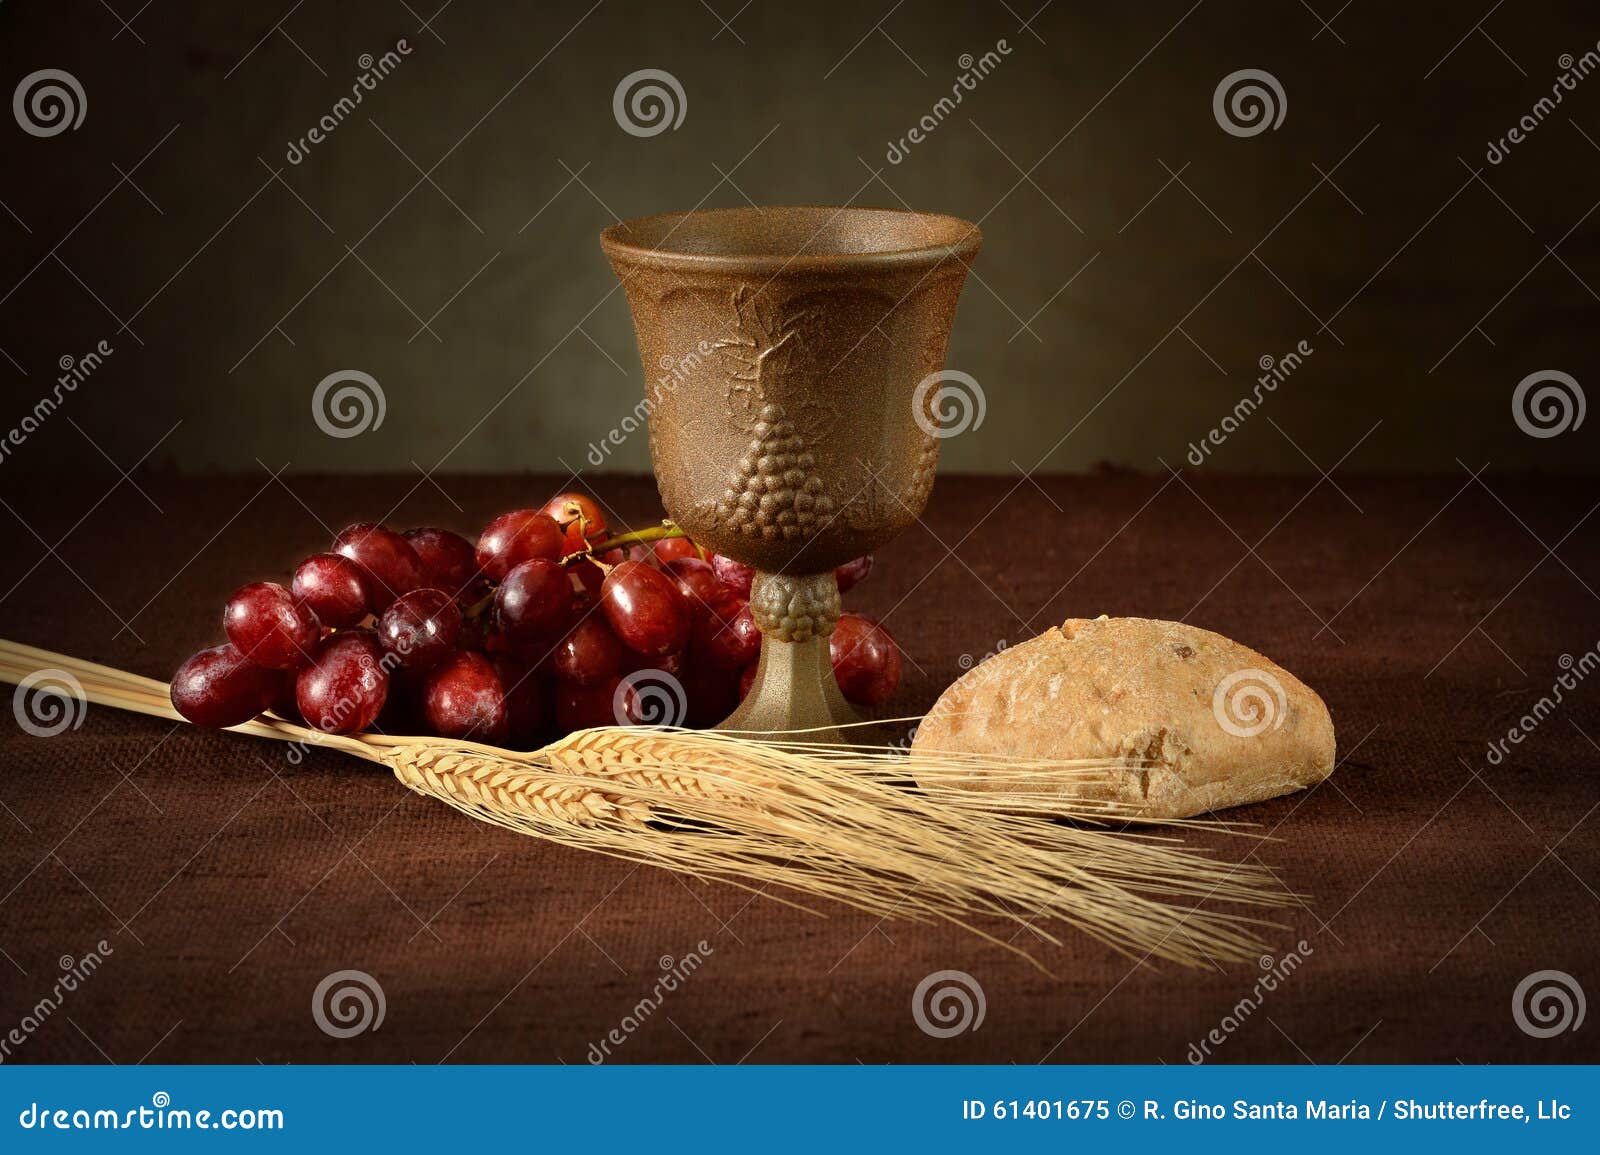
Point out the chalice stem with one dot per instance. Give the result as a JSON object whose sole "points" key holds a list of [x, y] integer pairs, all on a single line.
{"points": [[794, 687]]}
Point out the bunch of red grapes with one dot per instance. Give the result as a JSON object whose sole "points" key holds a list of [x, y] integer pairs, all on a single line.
{"points": [[544, 627]]}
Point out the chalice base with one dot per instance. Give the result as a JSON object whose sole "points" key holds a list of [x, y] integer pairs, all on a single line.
{"points": [[795, 690]]}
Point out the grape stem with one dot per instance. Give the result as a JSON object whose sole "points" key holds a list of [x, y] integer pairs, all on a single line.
{"points": [[660, 532]]}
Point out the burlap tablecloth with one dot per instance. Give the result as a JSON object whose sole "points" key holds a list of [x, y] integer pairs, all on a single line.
{"points": [[228, 881]]}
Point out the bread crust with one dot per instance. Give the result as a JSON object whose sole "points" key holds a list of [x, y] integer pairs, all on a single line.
{"points": [[1202, 721]]}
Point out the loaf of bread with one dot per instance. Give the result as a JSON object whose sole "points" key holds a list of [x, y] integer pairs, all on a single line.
{"points": [[1201, 721]]}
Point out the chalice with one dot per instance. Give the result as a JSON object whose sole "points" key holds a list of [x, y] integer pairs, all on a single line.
{"points": [[788, 353]]}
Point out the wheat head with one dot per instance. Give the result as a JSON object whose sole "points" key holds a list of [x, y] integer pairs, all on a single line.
{"points": [[504, 787]]}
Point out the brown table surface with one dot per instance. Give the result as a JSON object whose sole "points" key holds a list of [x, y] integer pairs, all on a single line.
{"points": [[228, 882]]}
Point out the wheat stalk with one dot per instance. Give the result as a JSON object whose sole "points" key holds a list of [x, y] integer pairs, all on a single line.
{"points": [[835, 822]]}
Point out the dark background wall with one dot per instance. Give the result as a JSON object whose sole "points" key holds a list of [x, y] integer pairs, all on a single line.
{"points": [[1139, 260]]}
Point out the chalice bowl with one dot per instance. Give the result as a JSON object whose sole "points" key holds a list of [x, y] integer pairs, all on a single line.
{"points": [[789, 355]]}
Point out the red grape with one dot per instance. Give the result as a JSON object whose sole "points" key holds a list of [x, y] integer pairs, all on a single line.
{"points": [[516, 537], [535, 599], [387, 560], [728, 638], [421, 628], [866, 661], [747, 678], [566, 508], [580, 519], [335, 589], [449, 562], [852, 573], [220, 687], [580, 707], [697, 581], [590, 653], [464, 698], [734, 574], [645, 608], [345, 686], [669, 548], [270, 627]]}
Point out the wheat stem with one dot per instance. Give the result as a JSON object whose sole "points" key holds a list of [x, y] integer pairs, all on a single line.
{"points": [[841, 823]]}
